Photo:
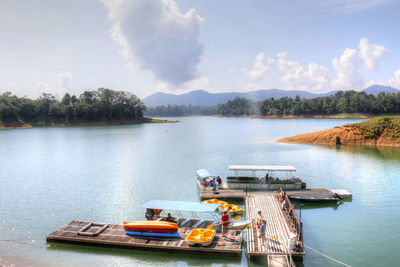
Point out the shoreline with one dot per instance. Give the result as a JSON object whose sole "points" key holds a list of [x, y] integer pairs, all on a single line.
{"points": [[379, 131], [337, 116], [38, 124]]}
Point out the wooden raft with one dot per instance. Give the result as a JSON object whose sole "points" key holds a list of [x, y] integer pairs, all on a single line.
{"points": [[114, 236], [278, 225], [237, 194]]}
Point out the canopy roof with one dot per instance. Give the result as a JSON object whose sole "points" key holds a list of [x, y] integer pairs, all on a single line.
{"points": [[260, 168], [203, 173], [180, 205]]}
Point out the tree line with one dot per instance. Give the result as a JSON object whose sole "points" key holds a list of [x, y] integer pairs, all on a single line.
{"points": [[180, 110], [340, 102], [102, 104]]}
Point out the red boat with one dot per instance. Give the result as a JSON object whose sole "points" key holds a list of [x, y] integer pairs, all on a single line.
{"points": [[151, 227]]}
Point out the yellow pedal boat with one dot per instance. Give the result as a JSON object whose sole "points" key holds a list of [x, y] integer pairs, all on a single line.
{"points": [[230, 207], [214, 201], [203, 237]]}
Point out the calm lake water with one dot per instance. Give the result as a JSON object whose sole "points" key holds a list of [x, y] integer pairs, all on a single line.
{"points": [[50, 176]]}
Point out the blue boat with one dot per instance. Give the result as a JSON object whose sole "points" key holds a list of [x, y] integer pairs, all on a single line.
{"points": [[147, 234]]}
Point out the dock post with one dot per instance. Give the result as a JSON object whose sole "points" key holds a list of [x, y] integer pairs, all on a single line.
{"points": [[338, 140]]}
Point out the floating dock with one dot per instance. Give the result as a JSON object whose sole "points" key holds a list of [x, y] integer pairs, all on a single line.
{"points": [[282, 223], [223, 194], [114, 236], [319, 194]]}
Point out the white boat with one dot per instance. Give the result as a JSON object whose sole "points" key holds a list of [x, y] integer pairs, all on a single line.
{"points": [[270, 180], [238, 225], [206, 180]]}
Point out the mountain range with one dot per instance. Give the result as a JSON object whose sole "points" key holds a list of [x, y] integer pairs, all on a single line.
{"points": [[204, 98]]}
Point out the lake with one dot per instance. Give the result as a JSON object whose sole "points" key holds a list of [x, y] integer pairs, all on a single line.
{"points": [[50, 176]]}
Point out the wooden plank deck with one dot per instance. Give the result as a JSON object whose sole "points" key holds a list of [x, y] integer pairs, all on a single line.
{"points": [[278, 226], [236, 194], [114, 236]]}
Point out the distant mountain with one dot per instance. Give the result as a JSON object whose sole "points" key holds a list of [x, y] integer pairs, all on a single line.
{"points": [[376, 89], [204, 98]]}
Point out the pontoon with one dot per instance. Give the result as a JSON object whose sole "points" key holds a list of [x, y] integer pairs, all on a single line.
{"points": [[270, 180], [191, 214]]}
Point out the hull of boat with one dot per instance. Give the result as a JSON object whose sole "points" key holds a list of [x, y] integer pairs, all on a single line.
{"points": [[264, 186], [314, 198], [238, 225], [208, 188], [147, 234], [151, 227]]}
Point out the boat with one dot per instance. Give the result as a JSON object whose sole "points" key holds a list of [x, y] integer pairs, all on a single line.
{"points": [[148, 234], [192, 214], [206, 180], [214, 201], [269, 181], [198, 236], [315, 198], [151, 227], [230, 208], [238, 225]]}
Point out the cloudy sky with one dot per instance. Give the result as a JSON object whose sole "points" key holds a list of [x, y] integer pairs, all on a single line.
{"points": [[145, 46]]}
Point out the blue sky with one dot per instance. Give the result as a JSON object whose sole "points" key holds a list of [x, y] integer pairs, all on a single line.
{"points": [[177, 46]]}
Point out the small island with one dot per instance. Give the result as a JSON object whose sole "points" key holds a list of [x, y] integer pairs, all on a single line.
{"points": [[378, 131], [92, 108]]}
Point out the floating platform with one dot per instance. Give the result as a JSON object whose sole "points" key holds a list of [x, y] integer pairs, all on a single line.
{"points": [[319, 194], [113, 235], [231, 194]]}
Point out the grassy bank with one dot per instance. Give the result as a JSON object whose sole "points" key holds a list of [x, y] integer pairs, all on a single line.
{"points": [[378, 131], [378, 126]]}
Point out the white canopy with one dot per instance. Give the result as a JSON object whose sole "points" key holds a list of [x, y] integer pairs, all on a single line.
{"points": [[260, 168]]}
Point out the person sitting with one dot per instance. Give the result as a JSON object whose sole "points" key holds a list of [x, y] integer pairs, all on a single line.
{"points": [[219, 180], [169, 218], [149, 214]]}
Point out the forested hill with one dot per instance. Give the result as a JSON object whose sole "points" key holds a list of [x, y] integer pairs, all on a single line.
{"points": [[204, 98], [101, 105], [341, 102]]}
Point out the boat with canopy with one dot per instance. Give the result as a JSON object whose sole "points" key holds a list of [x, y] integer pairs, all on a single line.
{"points": [[269, 181], [190, 214], [206, 180]]}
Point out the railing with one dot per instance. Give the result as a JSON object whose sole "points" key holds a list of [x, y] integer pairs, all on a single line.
{"points": [[298, 226]]}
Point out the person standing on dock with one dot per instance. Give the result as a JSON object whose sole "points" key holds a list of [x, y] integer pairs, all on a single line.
{"points": [[262, 232], [225, 220], [260, 218]]}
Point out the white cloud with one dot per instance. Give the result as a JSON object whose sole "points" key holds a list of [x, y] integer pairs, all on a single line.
{"points": [[351, 6], [314, 77], [63, 79], [261, 67], [395, 81], [42, 87], [371, 54], [196, 84], [347, 71], [292, 74], [158, 37]]}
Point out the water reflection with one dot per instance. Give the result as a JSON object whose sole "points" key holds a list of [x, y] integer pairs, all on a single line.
{"points": [[319, 205], [386, 153], [144, 257]]}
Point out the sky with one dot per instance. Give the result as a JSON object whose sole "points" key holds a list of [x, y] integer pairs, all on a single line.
{"points": [[177, 46]]}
